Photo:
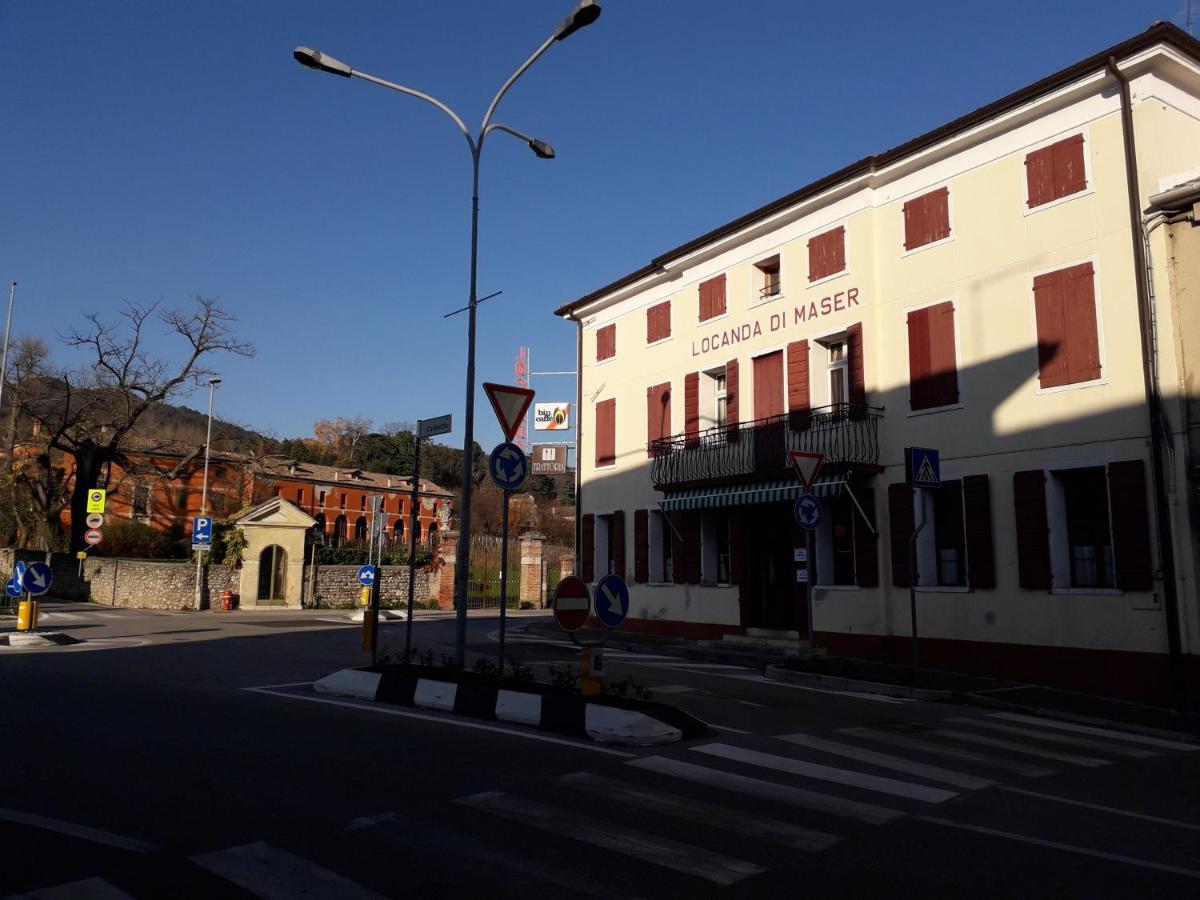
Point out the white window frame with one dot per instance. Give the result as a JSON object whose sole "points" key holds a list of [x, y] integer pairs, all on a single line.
{"points": [[823, 547], [709, 396], [656, 522], [928, 564], [709, 549], [757, 280], [845, 270], [670, 324], [1026, 210], [1059, 541], [949, 217], [1094, 259], [958, 367]]}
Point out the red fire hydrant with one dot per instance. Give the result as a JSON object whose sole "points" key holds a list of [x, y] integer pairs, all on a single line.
{"points": [[227, 600]]}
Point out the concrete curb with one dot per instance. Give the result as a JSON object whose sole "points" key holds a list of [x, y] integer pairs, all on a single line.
{"points": [[31, 639], [853, 685], [647, 725]]}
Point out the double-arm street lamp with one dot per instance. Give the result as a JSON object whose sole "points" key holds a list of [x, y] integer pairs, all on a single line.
{"points": [[585, 13]]}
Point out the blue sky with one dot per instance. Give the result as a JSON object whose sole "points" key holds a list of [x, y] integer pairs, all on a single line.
{"points": [[152, 151]]}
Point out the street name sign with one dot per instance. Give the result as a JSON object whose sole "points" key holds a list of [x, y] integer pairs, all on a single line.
{"points": [[612, 600], [808, 511], [507, 466], [37, 578], [93, 536], [572, 603], [807, 465], [430, 427], [95, 500], [94, 520], [924, 467], [510, 404]]}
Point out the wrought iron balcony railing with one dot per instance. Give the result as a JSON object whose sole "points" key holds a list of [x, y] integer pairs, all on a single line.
{"points": [[844, 433]]}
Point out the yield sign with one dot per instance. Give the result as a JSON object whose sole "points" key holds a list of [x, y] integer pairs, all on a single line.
{"points": [[807, 465], [510, 404]]}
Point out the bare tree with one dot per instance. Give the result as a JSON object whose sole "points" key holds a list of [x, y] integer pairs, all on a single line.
{"points": [[88, 414]]}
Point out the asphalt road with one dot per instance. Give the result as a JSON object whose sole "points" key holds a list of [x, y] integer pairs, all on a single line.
{"points": [[185, 754]]}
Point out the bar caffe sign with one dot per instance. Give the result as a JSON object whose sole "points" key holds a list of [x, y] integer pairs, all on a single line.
{"points": [[551, 416]]}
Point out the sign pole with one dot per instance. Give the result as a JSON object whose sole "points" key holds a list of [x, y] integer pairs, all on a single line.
{"points": [[808, 588], [503, 572], [412, 544], [912, 584]]}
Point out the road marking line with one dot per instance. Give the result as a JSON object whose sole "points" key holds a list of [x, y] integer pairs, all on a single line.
{"points": [[728, 728], [1096, 806], [85, 889], [1028, 749], [266, 687], [275, 874], [672, 689], [454, 723], [850, 695], [671, 854], [911, 743], [1069, 848], [699, 811], [769, 790], [1099, 732], [887, 761], [368, 821], [83, 832], [848, 777], [1085, 743]]}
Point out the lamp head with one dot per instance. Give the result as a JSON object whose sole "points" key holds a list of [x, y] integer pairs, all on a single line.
{"points": [[213, 382], [315, 59], [541, 149], [585, 13]]}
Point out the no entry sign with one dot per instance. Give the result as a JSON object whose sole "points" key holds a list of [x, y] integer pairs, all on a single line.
{"points": [[572, 603]]}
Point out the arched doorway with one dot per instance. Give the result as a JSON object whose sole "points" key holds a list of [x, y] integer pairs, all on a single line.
{"points": [[433, 532], [360, 530], [272, 575], [318, 529], [398, 531], [339, 531]]}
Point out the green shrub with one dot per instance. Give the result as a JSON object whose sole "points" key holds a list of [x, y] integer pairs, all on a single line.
{"points": [[138, 541], [354, 556]]}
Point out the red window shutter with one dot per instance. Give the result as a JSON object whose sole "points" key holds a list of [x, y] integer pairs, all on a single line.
{"points": [[827, 253], [977, 512], [616, 541], [641, 546], [677, 545], [1070, 176], [927, 218], [1050, 312], [797, 376], [587, 547], [919, 363], [691, 546], [718, 295], [731, 394], [651, 325], [939, 214], [943, 358], [606, 342], [1131, 528], [1079, 314], [606, 437], [1033, 530], [1039, 176], [691, 409], [857, 369], [658, 322], [866, 554], [914, 223], [900, 521], [658, 416]]}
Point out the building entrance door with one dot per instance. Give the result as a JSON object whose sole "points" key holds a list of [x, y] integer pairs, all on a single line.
{"points": [[272, 576], [768, 569]]}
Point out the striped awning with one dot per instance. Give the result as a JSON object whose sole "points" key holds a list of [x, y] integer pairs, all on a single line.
{"points": [[748, 494]]}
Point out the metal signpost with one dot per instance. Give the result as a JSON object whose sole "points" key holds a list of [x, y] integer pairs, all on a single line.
{"points": [[572, 604], [923, 468], [807, 513], [202, 533], [509, 468], [35, 579]]}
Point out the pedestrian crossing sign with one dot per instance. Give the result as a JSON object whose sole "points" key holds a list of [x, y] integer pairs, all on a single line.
{"points": [[924, 467]]}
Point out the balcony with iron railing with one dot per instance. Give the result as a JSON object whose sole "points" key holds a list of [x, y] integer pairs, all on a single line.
{"points": [[845, 434]]}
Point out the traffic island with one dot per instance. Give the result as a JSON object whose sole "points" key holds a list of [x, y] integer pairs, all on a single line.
{"points": [[31, 639], [610, 720]]}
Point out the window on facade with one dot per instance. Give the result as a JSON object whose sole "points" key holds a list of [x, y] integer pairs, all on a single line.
{"points": [[837, 362], [712, 298], [398, 531], [661, 564], [603, 546], [606, 432], [720, 398], [658, 418], [1067, 336], [1084, 511], [932, 366], [140, 499], [827, 254], [658, 322], [606, 342], [715, 547], [927, 219], [360, 529], [769, 284], [941, 544], [343, 501], [1055, 171], [300, 497], [835, 542], [321, 502]]}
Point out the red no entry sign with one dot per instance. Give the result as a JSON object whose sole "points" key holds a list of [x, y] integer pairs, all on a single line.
{"points": [[572, 603]]}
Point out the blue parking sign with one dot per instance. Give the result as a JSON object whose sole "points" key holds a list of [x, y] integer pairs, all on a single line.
{"points": [[202, 530]]}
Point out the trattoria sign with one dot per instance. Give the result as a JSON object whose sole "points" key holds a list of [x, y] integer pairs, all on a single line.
{"points": [[780, 320]]}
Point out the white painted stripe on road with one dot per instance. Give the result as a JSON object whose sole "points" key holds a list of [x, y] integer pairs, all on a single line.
{"points": [[700, 812], [275, 874], [672, 689], [83, 832], [86, 889], [1068, 848], [849, 695], [848, 777], [769, 790], [1099, 732], [651, 848], [905, 742], [1069, 740], [263, 687], [887, 761], [382, 710], [1028, 749], [1108, 809]]}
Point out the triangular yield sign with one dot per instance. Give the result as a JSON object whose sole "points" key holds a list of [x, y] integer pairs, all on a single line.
{"points": [[806, 465], [510, 404]]}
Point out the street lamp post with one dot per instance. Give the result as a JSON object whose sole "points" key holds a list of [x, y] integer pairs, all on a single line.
{"points": [[585, 13], [212, 389]]}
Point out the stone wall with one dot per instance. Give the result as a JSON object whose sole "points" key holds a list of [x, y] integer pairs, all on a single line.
{"points": [[337, 586]]}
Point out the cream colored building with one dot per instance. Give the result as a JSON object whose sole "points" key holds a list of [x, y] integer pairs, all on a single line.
{"points": [[974, 290]]}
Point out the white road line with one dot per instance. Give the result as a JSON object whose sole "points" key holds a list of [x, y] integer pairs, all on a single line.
{"points": [[267, 687], [728, 728], [83, 832], [1099, 732], [1068, 848], [905, 742], [1070, 740], [446, 720], [848, 777], [275, 874], [769, 790], [1028, 749], [369, 821], [661, 851], [700, 812], [1108, 809], [887, 761], [849, 695], [86, 889], [672, 689]]}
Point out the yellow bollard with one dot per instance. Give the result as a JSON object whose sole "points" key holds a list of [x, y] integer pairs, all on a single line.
{"points": [[591, 674], [24, 615], [364, 597]]}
